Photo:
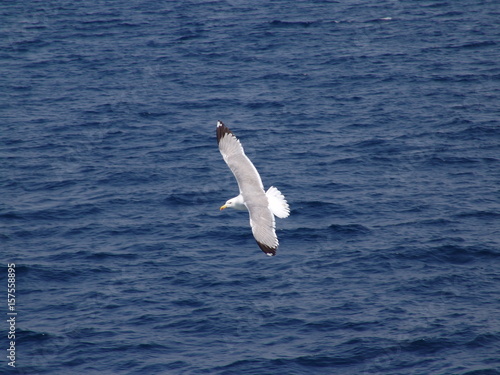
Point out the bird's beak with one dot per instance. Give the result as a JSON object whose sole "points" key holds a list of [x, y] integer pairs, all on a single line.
{"points": [[222, 207]]}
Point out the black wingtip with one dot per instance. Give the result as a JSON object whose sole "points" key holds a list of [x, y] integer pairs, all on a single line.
{"points": [[271, 251], [222, 130]]}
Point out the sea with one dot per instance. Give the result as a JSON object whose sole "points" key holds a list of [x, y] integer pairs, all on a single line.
{"points": [[378, 121]]}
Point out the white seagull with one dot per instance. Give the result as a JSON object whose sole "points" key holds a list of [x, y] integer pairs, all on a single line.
{"points": [[262, 206]]}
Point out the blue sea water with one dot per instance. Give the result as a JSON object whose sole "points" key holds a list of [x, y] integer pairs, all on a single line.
{"points": [[379, 122]]}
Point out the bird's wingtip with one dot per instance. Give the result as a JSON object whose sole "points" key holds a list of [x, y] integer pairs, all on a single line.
{"points": [[222, 130], [270, 251]]}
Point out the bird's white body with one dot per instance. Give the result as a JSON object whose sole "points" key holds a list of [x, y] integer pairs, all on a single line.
{"points": [[276, 203]]}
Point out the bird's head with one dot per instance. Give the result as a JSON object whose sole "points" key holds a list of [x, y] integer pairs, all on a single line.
{"points": [[237, 203], [228, 204]]}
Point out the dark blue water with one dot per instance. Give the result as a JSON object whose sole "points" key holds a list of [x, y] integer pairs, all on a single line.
{"points": [[378, 120]]}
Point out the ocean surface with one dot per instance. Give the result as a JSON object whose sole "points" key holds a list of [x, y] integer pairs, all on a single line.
{"points": [[379, 122]]}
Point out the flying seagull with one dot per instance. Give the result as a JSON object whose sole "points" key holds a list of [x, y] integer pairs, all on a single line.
{"points": [[262, 206]]}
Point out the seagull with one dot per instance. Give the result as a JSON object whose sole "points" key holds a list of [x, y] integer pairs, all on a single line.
{"points": [[261, 205]]}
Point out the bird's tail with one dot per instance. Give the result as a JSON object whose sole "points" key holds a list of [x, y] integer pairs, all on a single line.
{"points": [[277, 203]]}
